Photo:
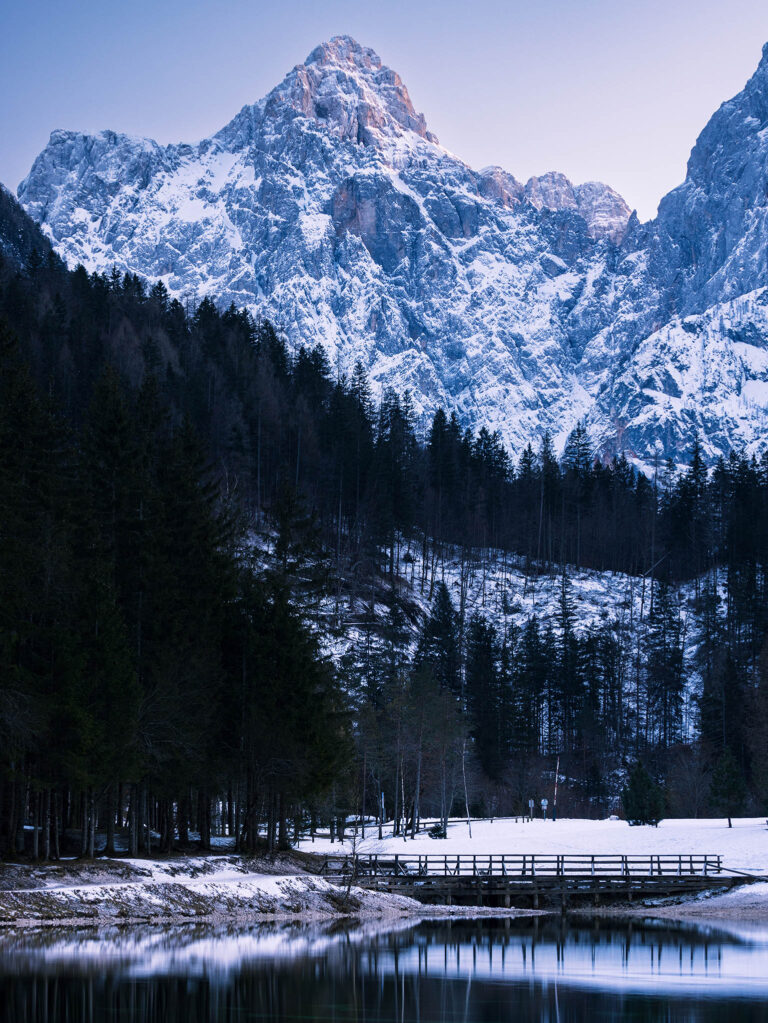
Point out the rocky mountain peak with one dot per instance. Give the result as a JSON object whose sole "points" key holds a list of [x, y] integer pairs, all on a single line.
{"points": [[345, 87], [551, 190], [344, 50], [603, 209], [523, 307]]}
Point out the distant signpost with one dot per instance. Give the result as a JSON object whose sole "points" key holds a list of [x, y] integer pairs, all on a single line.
{"points": [[544, 804]]}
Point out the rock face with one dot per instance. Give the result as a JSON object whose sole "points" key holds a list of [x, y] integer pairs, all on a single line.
{"points": [[329, 207]]}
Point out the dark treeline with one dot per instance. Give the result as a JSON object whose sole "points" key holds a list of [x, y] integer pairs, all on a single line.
{"points": [[152, 678], [160, 673], [368, 469]]}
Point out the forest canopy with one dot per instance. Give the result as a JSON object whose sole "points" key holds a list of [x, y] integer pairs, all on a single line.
{"points": [[190, 508]]}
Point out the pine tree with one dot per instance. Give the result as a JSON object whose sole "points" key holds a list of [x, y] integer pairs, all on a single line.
{"points": [[727, 790], [487, 703], [642, 798], [438, 644], [664, 670], [531, 682]]}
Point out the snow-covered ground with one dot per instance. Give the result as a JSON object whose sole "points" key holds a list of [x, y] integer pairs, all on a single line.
{"points": [[227, 887], [495, 585], [214, 889], [196, 888], [743, 847]]}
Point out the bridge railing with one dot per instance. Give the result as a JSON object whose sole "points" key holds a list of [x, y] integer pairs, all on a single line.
{"points": [[523, 865]]}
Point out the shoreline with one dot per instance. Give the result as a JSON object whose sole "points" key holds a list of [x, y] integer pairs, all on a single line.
{"points": [[222, 889], [420, 912], [213, 890]]}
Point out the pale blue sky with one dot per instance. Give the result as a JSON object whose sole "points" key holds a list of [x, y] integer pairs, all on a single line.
{"points": [[614, 91]]}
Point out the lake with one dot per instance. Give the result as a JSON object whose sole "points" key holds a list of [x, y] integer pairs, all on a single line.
{"points": [[535, 968]]}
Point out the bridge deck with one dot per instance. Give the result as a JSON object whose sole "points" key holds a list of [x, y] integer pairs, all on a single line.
{"points": [[499, 879]]}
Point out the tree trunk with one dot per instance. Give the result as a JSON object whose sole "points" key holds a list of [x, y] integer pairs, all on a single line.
{"points": [[282, 837], [35, 799], [111, 818], [18, 818], [271, 824], [83, 826], [91, 825], [362, 809], [146, 817], [417, 793], [204, 813], [133, 819], [57, 800], [47, 825]]}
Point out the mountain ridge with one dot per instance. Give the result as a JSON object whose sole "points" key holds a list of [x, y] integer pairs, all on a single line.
{"points": [[329, 207]]}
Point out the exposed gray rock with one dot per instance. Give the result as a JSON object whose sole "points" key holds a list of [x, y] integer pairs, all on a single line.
{"points": [[329, 207]]}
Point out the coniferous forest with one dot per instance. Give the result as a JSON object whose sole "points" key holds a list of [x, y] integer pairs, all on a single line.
{"points": [[193, 515]]}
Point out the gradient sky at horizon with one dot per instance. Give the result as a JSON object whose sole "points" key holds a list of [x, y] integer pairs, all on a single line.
{"points": [[615, 92]]}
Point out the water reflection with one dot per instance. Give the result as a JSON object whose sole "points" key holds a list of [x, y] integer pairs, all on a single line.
{"points": [[539, 969]]}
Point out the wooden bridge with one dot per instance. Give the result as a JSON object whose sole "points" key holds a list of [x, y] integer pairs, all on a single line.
{"points": [[533, 879]]}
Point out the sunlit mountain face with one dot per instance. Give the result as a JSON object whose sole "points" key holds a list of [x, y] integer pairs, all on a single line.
{"points": [[330, 208]]}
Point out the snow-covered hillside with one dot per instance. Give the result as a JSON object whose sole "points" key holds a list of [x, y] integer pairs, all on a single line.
{"points": [[497, 587], [329, 207]]}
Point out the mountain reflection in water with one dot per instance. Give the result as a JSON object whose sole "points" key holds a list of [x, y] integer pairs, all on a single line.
{"points": [[539, 969]]}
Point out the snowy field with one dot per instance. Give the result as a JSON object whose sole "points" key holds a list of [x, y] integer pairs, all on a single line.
{"points": [[742, 847]]}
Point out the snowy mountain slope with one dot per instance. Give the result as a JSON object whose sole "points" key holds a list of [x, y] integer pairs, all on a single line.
{"points": [[705, 372], [329, 207]]}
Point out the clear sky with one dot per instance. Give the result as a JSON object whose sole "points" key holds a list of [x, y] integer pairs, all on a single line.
{"points": [[611, 90]]}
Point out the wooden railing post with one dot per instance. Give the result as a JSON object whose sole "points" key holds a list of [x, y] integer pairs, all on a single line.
{"points": [[523, 865]]}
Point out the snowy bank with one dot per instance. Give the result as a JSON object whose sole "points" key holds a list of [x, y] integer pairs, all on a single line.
{"points": [[213, 889], [748, 902]]}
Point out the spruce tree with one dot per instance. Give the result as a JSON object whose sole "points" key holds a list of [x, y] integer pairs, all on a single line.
{"points": [[642, 798]]}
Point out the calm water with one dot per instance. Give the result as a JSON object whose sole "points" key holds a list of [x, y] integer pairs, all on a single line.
{"points": [[536, 969]]}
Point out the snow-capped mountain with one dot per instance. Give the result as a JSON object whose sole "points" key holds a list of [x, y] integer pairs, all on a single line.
{"points": [[329, 207]]}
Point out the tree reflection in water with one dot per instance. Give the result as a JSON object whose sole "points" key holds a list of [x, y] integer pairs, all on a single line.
{"points": [[537, 969]]}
